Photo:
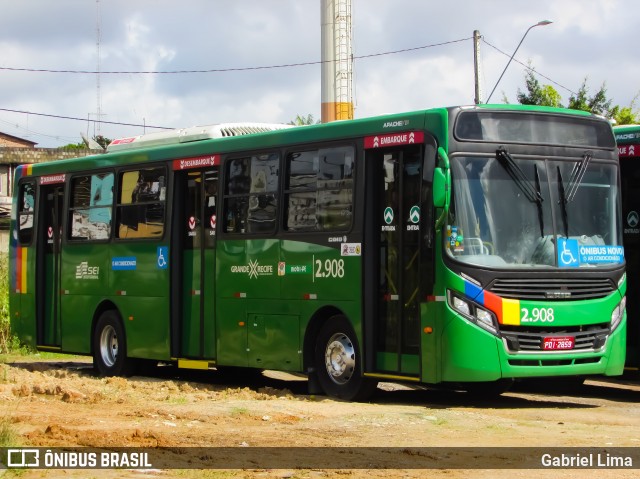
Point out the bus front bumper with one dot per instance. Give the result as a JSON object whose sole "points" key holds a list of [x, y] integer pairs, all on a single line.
{"points": [[471, 354]]}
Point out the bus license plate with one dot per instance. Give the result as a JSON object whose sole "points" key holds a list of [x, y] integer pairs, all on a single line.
{"points": [[554, 343]]}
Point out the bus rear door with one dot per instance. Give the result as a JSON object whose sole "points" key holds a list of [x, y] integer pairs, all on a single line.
{"points": [[630, 175], [195, 237], [48, 249]]}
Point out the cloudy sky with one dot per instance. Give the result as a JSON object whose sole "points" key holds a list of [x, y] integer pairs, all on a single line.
{"points": [[595, 39]]}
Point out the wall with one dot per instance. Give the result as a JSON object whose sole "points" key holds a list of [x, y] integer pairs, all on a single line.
{"points": [[12, 157]]}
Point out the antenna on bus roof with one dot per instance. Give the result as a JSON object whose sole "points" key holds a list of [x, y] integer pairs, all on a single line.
{"points": [[194, 133], [91, 143]]}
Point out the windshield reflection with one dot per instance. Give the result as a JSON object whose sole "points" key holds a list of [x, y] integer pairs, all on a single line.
{"points": [[512, 212]]}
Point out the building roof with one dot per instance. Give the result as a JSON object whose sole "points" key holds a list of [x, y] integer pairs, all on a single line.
{"points": [[16, 139]]}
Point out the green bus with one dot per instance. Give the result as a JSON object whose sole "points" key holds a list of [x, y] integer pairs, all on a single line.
{"points": [[628, 140], [464, 247]]}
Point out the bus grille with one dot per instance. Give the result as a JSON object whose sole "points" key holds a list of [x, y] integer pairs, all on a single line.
{"points": [[531, 340], [552, 289]]}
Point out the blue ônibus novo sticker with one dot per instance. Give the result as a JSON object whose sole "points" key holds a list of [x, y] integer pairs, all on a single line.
{"points": [[572, 254]]}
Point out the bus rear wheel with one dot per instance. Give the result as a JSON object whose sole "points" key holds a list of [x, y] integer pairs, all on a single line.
{"points": [[110, 346], [338, 362]]}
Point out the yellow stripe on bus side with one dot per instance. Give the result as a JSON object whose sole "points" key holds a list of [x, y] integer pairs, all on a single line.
{"points": [[23, 271]]}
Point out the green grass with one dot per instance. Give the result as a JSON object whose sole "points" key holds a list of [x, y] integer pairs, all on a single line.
{"points": [[5, 326], [8, 434], [9, 343]]}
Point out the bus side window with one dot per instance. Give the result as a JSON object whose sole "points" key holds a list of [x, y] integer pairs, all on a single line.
{"points": [[319, 189], [237, 189], [141, 203], [250, 201], [91, 206], [26, 203]]}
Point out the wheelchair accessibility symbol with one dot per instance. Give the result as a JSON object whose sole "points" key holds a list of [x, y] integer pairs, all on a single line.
{"points": [[163, 254], [568, 255]]}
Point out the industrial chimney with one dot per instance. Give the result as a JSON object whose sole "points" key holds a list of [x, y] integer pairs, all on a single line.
{"points": [[337, 60]]}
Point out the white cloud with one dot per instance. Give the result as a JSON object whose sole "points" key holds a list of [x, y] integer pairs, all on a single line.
{"points": [[588, 38]]}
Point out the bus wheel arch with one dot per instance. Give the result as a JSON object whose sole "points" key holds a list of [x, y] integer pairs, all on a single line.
{"points": [[109, 342]]}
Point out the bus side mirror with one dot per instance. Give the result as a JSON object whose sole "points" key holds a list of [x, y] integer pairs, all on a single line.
{"points": [[439, 188], [441, 181]]}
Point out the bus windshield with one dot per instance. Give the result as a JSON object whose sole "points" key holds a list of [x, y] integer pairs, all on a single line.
{"points": [[511, 212]]}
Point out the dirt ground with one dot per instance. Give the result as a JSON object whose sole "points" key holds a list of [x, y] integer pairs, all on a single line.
{"points": [[64, 403]]}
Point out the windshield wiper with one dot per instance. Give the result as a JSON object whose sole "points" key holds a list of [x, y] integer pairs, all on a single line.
{"points": [[577, 174], [515, 172], [563, 204], [539, 203]]}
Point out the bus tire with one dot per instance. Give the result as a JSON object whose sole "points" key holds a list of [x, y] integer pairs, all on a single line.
{"points": [[338, 362], [110, 346]]}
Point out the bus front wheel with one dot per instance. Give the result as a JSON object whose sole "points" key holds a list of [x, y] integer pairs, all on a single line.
{"points": [[110, 346], [338, 362]]}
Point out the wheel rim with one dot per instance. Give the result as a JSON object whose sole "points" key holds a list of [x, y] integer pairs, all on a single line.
{"points": [[109, 346], [340, 358]]}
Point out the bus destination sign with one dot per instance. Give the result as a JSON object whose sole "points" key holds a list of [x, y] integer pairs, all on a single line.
{"points": [[393, 139], [196, 162], [52, 179]]}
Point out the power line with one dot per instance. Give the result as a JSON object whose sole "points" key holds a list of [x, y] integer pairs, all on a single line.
{"points": [[85, 119], [173, 72], [225, 70], [28, 131], [532, 70]]}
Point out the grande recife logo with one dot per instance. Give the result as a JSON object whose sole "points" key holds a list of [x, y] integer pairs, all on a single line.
{"points": [[253, 269]]}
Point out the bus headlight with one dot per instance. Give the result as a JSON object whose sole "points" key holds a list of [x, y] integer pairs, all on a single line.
{"points": [[472, 312], [618, 313]]}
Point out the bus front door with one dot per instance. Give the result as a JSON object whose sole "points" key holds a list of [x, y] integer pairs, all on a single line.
{"points": [[396, 227], [196, 226], [48, 266], [630, 174]]}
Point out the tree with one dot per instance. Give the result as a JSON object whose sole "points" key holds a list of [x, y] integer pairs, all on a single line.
{"points": [[599, 104], [302, 120], [627, 115], [544, 95], [101, 140]]}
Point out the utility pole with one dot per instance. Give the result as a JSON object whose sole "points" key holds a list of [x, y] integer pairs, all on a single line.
{"points": [[476, 66]]}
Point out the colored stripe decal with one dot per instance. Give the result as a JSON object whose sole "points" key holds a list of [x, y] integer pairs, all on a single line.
{"points": [[472, 291], [511, 311], [19, 280], [23, 170], [23, 270], [507, 310], [493, 303], [15, 279]]}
